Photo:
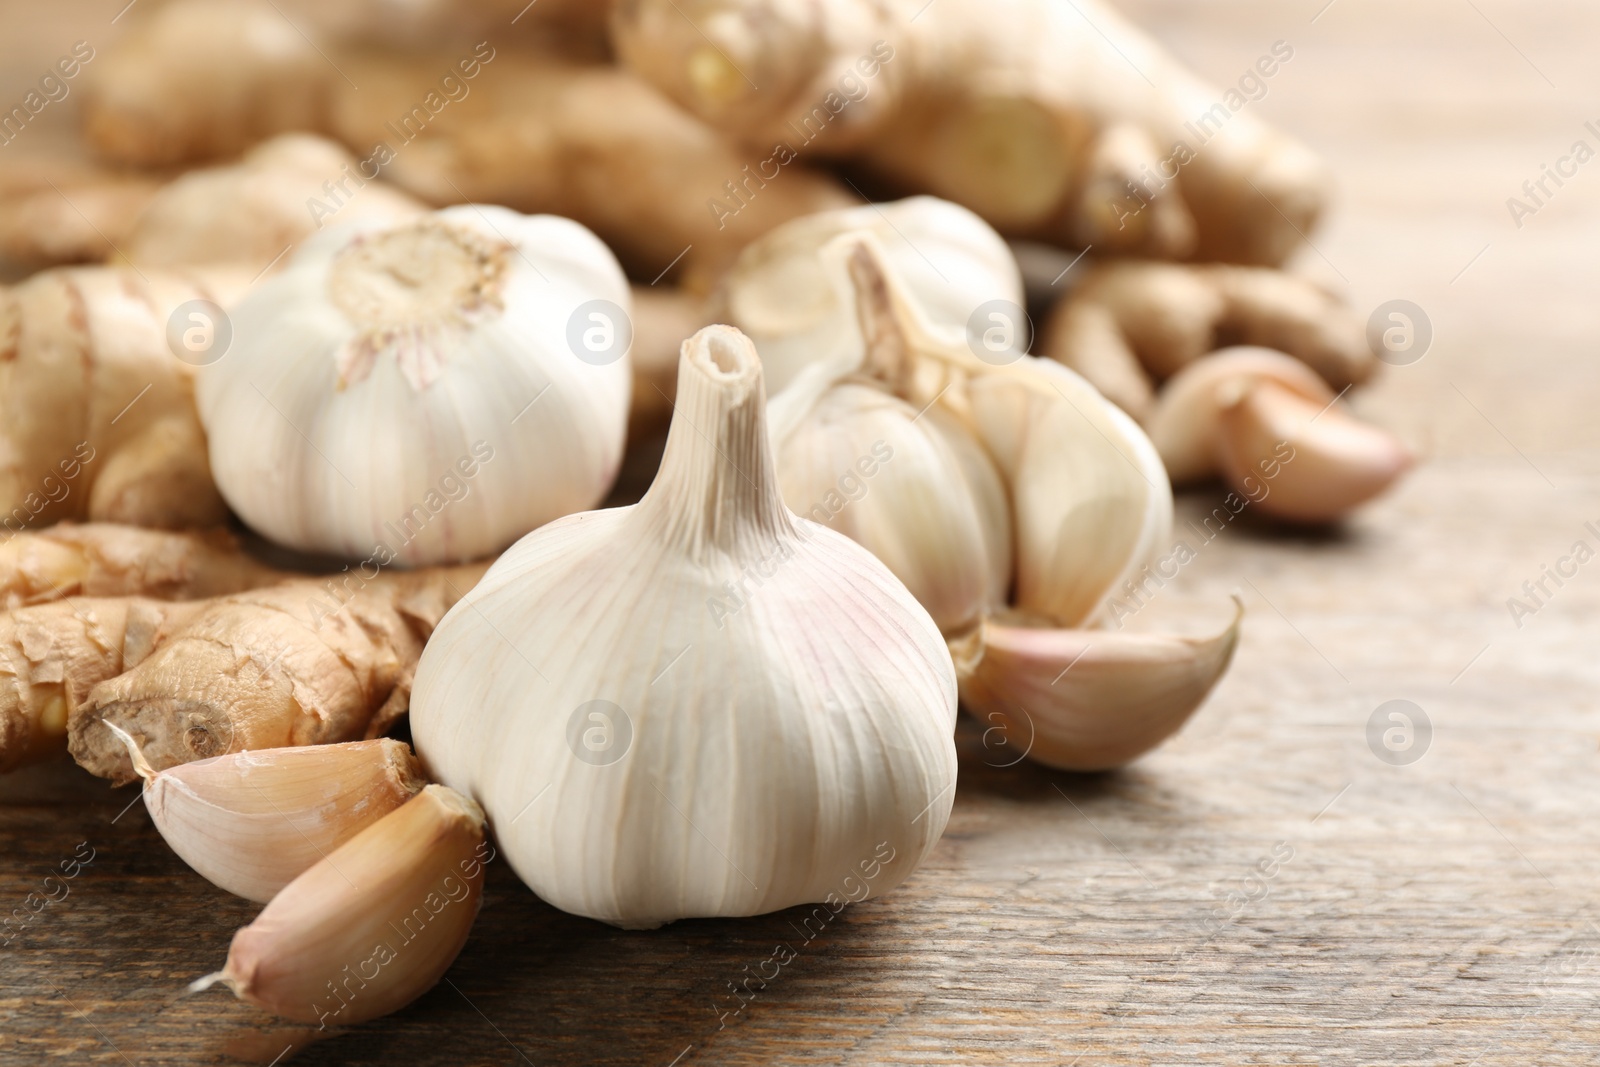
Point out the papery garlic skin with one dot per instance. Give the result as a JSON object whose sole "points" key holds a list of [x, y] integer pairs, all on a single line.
{"points": [[1090, 700], [1090, 503], [782, 295], [700, 705], [913, 488], [252, 822], [373, 925], [413, 385], [1093, 504]]}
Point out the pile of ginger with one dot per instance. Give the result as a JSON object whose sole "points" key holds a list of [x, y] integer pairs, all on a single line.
{"points": [[225, 133]]}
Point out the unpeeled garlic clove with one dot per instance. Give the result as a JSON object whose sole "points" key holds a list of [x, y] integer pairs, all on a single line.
{"points": [[1185, 423], [372, 926], [1315, 462], [787, 299], [870, 466], [1092, 503], [252, 822], [1089, 700]]}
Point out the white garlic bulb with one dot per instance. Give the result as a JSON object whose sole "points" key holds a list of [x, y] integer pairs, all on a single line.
{"points": [[1073, 478], [423, 391], [783, 297], [700, 705], [1048, 468]]}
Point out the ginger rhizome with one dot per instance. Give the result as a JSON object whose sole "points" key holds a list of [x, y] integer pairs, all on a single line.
{"points": [[1055, 121], [97, 417], [56, 210], [493, 121], [111, 560], [303, 662]]}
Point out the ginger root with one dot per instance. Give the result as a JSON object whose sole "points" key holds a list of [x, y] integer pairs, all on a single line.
{"points": [[1056, 121], [97, 414], [590, 142], [662, 317], [52, 655], [1129, 325], [203, 79], [491, 122], [55, 210], [111, 560], [302, 662]]}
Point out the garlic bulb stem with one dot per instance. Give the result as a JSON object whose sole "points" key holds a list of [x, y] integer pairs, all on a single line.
{"points": [[717, 489]]}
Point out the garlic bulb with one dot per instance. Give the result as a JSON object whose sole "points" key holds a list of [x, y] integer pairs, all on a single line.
{"points": [[1089, 503], [423, 391], [700, 705], [1077, 487], [782, 297]]}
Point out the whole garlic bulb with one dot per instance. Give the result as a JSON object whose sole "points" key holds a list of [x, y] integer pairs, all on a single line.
{"points": [[1066, 493], [783, 297], [700, 705], [413, 389]]}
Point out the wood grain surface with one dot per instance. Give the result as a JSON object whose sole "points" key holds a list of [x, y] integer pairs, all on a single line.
{"points": [[1439, 912]]}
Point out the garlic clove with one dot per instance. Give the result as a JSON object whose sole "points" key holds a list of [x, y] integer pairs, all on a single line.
{"points": [[700, 705], [915, 490], [1185, 423], [1315, 461], [1092, 503], [252, 822], [1084, 700], [787, 298], [372, 926]]}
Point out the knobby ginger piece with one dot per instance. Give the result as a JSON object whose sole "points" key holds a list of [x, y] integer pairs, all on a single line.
{"points": [[302, 663], [203, 79], [52, 655], [55, 210], [112, 560], [97, 417], [590, 142], [1054, 120]]}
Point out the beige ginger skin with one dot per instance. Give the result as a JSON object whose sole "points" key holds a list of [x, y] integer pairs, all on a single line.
{"points": [[1055, 121]]}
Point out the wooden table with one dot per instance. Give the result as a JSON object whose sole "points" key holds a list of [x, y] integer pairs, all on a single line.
{"points": [[1438, 912]]}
